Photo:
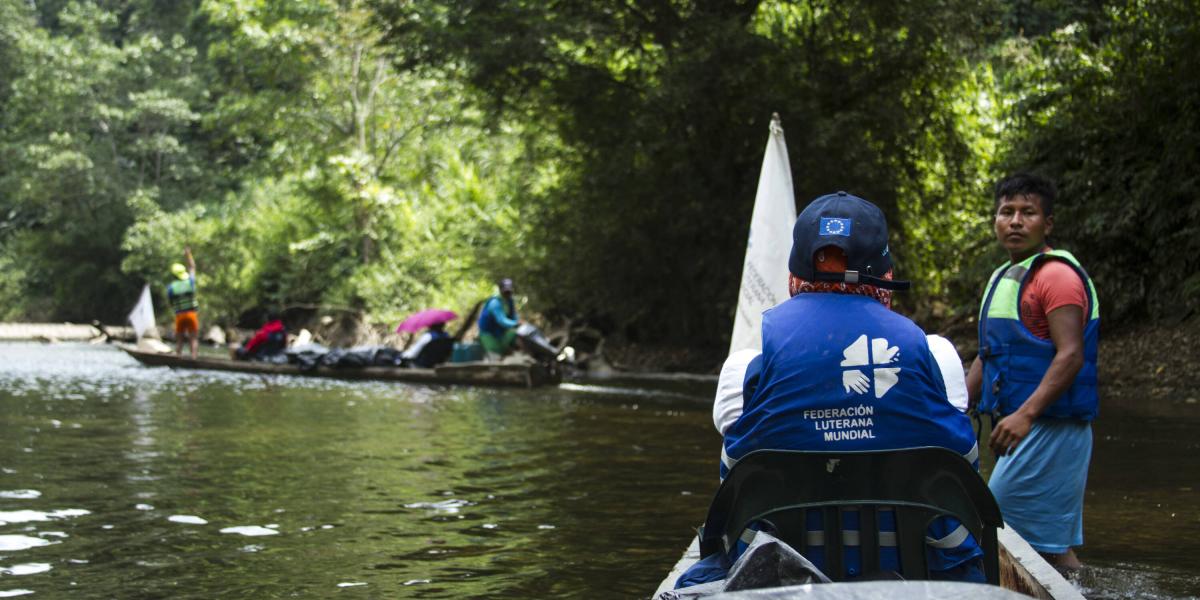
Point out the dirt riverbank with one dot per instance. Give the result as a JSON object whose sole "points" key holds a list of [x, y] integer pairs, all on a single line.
{"points": [[1153, 358], [1153, 361]]}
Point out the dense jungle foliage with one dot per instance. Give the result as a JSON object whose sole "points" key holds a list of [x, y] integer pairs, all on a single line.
{"points": [[385, 156]]}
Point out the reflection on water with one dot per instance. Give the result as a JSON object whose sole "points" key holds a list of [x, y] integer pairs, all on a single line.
{"points": [[250, 486], [118, 480], [1142, 512]]}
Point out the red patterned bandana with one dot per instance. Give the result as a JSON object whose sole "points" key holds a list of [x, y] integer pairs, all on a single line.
{"points": [[800, 286]]}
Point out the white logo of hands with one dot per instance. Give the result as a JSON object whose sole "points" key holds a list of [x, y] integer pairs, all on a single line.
{"points": [[856, 355], [883, 353], [855, 380]]}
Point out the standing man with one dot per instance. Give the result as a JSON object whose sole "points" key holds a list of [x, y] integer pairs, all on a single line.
{"points": [[182, 295], [1036, 371], [498, 321]]}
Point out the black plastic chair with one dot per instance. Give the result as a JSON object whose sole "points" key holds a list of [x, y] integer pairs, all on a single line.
{"points": [[434, 353], [919, 485]]}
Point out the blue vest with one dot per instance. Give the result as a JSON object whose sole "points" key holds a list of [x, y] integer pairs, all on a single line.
{"points": [[844, 373], [487, 317], [1015, 361]]}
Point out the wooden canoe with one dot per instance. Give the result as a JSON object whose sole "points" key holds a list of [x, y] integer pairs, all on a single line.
{"points": [[473, 373], [1022, 570]]}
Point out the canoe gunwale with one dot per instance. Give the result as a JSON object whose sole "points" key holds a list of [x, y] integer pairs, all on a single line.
{"points": [[1022, 570]]}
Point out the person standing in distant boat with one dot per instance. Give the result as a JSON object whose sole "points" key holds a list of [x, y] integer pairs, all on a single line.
{"points": [[498, 321], [181, 293], [1039, 332]]}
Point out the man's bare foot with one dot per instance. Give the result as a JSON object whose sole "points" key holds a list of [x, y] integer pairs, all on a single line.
{"points": [[1067, 563]]}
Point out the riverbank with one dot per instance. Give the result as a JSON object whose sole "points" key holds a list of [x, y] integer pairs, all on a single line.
{"points": [[53, 332], [1150, 356], [1153, 361]]}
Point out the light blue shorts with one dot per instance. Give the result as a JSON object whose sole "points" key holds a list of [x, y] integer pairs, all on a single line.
{"points": [[1040, 486]]}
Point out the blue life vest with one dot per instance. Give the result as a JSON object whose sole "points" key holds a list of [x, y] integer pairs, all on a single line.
{"points": [[1015, 361], [842, 372], [489, 322]]}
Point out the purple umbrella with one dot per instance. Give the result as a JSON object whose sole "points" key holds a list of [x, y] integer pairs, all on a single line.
{"points": [[420, 320]]}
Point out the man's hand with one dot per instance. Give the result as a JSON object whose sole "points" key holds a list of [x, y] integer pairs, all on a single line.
{"points": [[1009, 432], [1066, 331]]}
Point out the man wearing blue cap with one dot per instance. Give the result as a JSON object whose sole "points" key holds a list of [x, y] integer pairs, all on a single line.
{"points": [[498, 321], [839, 371]]}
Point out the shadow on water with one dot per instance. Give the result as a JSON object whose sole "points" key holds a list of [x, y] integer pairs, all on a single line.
{"points": [[118, 480]]}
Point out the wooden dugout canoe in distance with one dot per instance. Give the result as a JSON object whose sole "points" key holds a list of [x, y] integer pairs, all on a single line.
{"points": [[474, 373]]}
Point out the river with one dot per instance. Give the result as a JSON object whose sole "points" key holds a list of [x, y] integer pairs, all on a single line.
{"points": [[118, 480]]}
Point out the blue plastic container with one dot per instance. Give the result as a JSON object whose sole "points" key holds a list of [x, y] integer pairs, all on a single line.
{"points": [[466, 352]]}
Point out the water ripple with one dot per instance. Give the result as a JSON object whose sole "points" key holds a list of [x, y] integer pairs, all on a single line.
{"points": [[250, 530], [20, 494], [187, 520], [26, 516], [26, 569], [13, 543]]}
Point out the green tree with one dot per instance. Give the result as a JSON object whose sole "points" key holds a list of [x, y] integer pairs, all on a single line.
{"points": [[91, 129], [661, 109], [1108, 111], [368, 187]]}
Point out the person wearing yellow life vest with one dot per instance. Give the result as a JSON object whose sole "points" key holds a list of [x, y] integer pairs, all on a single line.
{"points": [[1037, 373], [182, 295]]}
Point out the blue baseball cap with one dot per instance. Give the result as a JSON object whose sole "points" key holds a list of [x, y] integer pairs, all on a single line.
{"points": [[852, 224]]}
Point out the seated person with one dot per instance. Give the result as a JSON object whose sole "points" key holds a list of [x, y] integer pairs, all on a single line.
{"points": [[426, 355], [839, 371], [498, 321], [269, 340]]}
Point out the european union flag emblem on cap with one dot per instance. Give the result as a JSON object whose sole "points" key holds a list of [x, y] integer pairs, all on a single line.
{"points": [[835, 226]]}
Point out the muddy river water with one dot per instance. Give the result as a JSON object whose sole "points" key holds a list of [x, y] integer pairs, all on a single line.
{"points": [[122, 481]]}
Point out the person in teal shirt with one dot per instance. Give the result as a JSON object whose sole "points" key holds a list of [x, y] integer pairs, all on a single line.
{"points": [[498, 321]]}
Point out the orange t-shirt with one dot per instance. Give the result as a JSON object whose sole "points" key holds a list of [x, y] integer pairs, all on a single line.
{"points": [[1053, 284]]}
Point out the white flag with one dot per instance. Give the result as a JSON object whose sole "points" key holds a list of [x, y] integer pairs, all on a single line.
{"points": [[142, 315], [765, 272]]}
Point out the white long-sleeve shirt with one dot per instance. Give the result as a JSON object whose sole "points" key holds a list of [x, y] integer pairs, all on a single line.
{"points": [[419, 345], [727, 405]]}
